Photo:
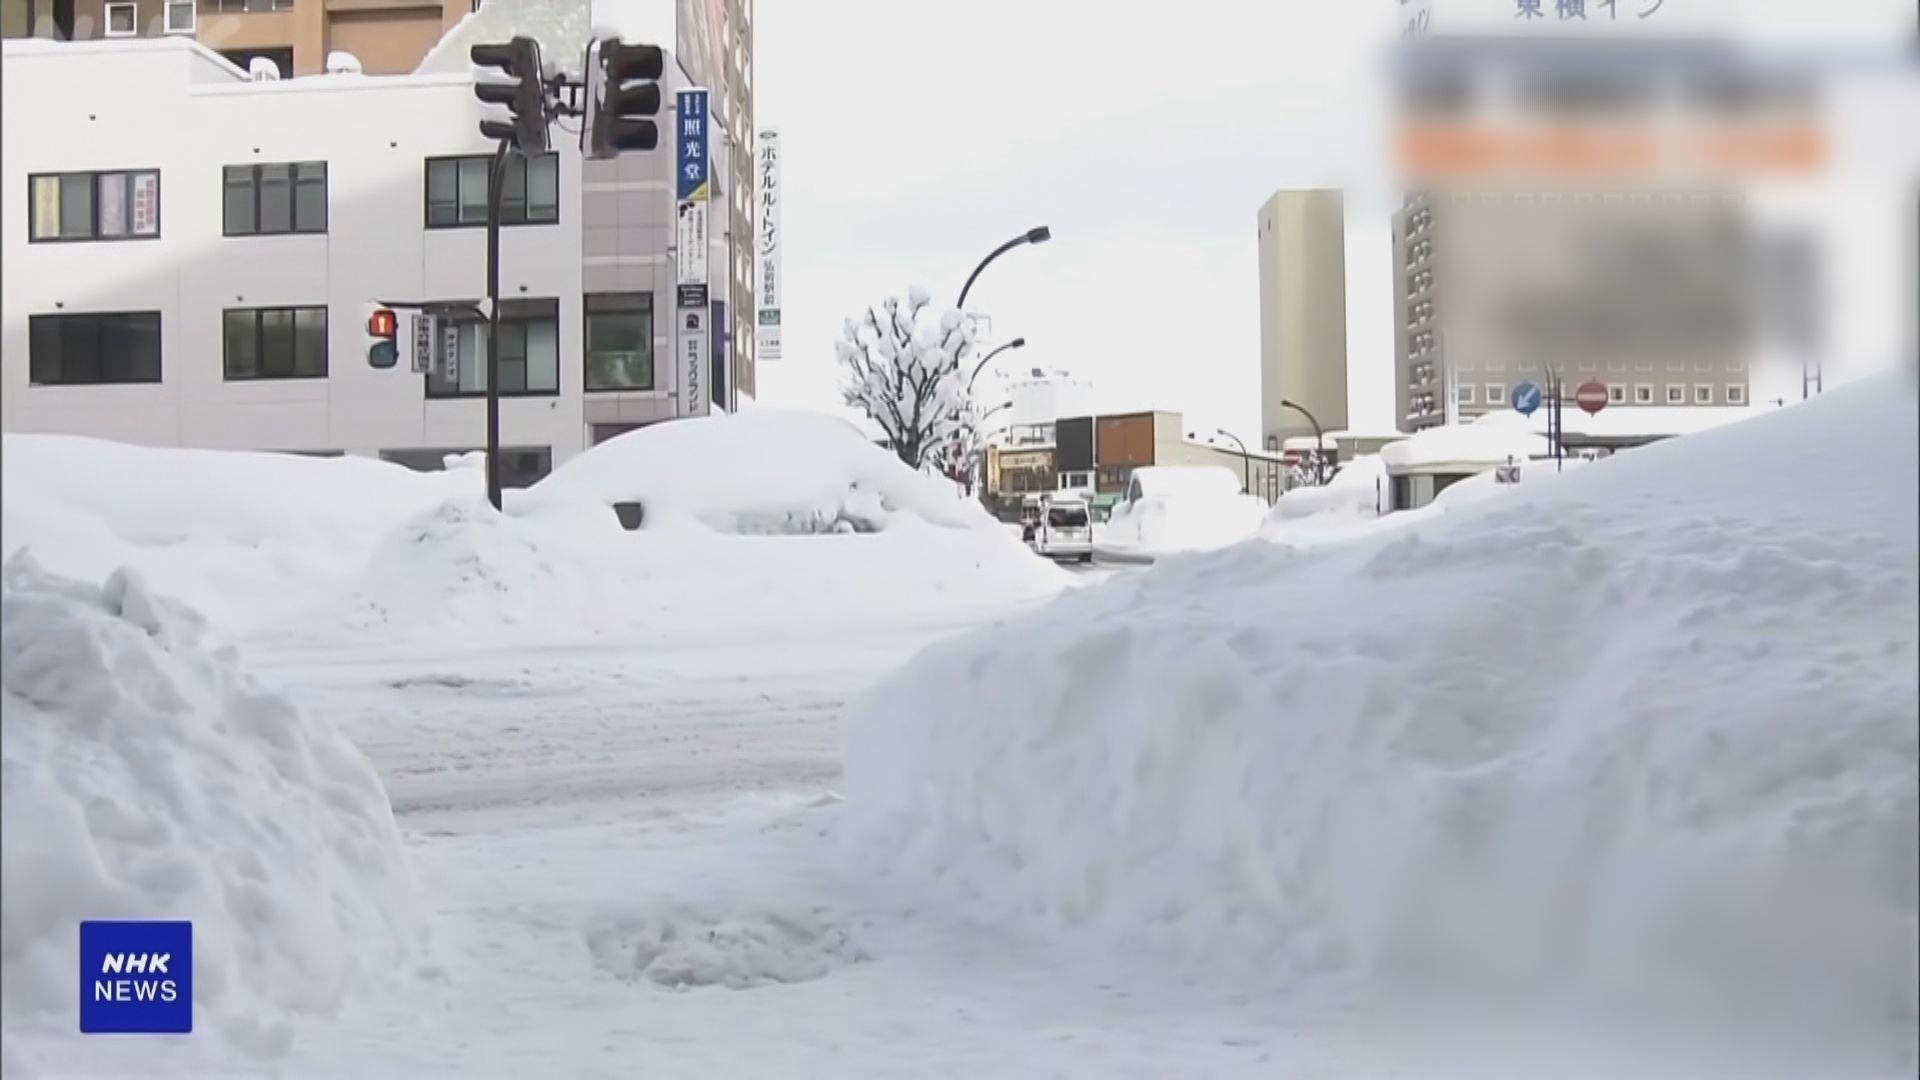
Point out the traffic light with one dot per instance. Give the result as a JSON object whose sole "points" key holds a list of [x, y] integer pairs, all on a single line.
{"points": [[525, 97], [622, 97], [383, 332]]}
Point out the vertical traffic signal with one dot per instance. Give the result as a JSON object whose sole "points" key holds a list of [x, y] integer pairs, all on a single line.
{"points": [[525, 96], [383, 332], [622, 98]]}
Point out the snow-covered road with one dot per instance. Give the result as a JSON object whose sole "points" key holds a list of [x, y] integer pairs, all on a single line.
{"points": [[629, 854]]}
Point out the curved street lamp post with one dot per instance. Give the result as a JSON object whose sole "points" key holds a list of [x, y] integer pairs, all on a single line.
{"points": [[1319, 440], [1039, 235], [1016, 343]]}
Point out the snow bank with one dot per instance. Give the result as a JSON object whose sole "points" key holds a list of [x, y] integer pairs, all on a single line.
{"points": [[569, 572], [276, 546], [764, 471], [1647, 736], [1168, 525], [242, 537], [1357, 489], [147, 778]]}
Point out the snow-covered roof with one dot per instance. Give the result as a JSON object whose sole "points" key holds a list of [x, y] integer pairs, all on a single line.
{"points": [[1469, 446], [562, 27]]}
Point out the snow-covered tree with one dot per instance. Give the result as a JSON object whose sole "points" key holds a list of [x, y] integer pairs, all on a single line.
{"points": [[905, 366]]}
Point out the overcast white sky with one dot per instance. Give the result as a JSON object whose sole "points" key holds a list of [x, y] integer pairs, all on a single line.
{"points": [[918, 134]]}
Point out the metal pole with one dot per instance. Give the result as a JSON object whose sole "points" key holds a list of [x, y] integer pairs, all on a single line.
{"points": [[1246, 462], [495, 182]]}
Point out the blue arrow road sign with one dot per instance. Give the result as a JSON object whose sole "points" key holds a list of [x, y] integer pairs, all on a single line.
{"points": [[1526, 398]]}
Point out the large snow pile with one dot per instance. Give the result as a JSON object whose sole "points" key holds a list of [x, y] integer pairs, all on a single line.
{"points": [[147, 778], [1180, 508], [1197, 481], [765, 471], [240, 536], [1356, 489], [1647, 735], [568, 571]]}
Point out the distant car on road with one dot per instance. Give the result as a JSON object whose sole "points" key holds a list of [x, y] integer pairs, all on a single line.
{"points": [[1060, 527]]}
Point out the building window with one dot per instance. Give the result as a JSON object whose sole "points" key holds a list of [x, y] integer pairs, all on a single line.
{"points": [[1736, 363], [620, 341], [1676, 364], [1736, 394], [1493, 363], [180, 16], [237, 7], [1616, 394], [1642, 394], [1528, 363], [457, 191], [529, 353], [1703, 394], [1616, 363], [1496, 394], [1588, 363], [86, 350], [95, 206], [270, 200], [1703, 363], [275, 343], [1643, 363], [1676, 394], [123, 20], [1466, 393]]}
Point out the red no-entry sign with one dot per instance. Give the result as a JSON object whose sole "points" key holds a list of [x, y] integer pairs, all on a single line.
{"points": [[1592, 396]]}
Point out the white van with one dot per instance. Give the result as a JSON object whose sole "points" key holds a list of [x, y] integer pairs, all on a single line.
{"points": [[1065, 529]]}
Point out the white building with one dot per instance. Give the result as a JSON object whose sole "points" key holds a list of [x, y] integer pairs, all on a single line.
{"points": [[198, 252], [1036, 398]]}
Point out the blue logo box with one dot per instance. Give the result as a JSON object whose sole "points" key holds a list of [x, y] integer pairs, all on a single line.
{"points": [[136, 978]]}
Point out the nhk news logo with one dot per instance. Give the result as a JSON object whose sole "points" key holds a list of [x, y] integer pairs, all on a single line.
{"points": [[136, 978]]}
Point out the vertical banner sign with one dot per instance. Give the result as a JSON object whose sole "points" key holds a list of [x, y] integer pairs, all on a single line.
{"points": [[450, 351], [422, 343], [693, 172], [768, 247]]}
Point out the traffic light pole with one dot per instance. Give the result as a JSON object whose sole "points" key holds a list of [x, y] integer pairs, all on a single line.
{"points": [[496, 178]]}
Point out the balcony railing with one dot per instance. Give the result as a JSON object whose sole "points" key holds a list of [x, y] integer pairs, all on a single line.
{"points": [[243, 7]]}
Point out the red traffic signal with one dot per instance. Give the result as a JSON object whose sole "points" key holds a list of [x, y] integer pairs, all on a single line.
{"points": [[383, 323]]}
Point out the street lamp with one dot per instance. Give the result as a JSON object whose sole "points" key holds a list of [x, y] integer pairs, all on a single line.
{"points": [[1246, 460], [1032, 236], [1016, 343], [1319, 441]]}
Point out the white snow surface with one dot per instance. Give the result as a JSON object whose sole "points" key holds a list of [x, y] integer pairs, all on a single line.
{"points": [[1165, 481], [146, 777], [1485, 445], [1640, 744], [764, 470], [267, 545], [245, 538]]}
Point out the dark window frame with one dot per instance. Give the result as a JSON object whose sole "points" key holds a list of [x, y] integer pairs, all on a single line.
{"points": [[94, 237], [260, 343], [293, 198], [513, 161], [159, 347], [587, 312], [513, 314]]}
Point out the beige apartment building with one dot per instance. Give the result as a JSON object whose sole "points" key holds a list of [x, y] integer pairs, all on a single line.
{"points": [[388, 37], [1641, 291], [1303, 313]]}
